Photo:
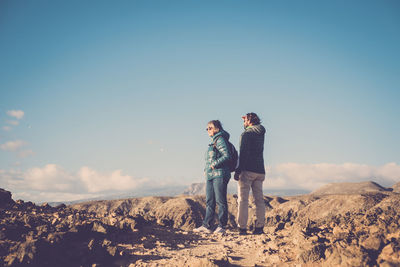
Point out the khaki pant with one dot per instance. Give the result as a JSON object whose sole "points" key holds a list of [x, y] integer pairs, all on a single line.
{"points": [[254, 180]]}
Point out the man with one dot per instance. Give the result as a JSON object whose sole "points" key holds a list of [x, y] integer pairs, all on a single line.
{"points": [[251, 173]]}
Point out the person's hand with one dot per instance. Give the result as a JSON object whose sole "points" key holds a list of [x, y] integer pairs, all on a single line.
{"points": [[236, 176], [212, 167]]}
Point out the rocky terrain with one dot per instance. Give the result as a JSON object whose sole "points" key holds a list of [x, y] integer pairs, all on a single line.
{"points": [[338, 225], [396, 187]]}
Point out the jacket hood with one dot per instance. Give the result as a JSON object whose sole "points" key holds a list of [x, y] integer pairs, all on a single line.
{"points": [[222, 133], [258, 129]]}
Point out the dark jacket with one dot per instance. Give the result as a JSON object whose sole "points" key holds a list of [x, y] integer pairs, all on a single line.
{"points": [[218, 157], [251, 149]]}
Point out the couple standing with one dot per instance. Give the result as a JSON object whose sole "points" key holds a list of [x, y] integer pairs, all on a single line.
{"points": [[249, 173]]}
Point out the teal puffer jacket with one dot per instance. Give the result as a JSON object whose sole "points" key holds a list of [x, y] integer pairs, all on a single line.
{"points": [[218, 157]]}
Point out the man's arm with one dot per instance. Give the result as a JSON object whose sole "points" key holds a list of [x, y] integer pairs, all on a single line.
{"points": [[243, 152]]}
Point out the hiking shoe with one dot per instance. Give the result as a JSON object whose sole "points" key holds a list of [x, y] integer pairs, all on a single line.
{"points": [[219, 230], [242, 231], [258, 231], [202, 229]]}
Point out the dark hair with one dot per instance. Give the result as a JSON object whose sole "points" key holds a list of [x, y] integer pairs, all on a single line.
{"points": [[253, 118], [217, 124]]}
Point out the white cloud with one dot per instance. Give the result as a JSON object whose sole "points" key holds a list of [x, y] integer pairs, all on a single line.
{"points": [[18, 114], [42, 183], [49, 178], [313, 176], [15, 123], [12, 145], [39, 197], [115, 181], [9, 178], [25, 153], [391, 171]]}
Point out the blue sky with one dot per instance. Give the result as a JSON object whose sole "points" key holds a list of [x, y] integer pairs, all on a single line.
{"points": [[123, 90]]}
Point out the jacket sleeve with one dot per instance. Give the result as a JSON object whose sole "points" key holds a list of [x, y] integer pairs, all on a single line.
{"points": [[243, 151], [222, 147]]}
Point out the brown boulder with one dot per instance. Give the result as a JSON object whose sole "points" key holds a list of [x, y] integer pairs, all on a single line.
{"points": [[315, 253], [181, 212], [340, 254], [390, 255], [372, 242]]}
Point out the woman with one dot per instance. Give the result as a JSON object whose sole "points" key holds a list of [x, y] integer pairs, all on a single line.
{"points": [[217, 177]]}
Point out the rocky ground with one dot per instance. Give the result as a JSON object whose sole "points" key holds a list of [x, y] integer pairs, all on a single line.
{"points": [[319, 229]]}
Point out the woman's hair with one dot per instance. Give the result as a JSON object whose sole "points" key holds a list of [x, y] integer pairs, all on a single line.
{"points": [[217, 124], [253, 118]]}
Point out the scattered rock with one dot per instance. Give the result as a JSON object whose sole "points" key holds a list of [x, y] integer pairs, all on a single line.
{"points": [[313, 254], [61, 206], [99, 227], [221, 261], [280, 226]]}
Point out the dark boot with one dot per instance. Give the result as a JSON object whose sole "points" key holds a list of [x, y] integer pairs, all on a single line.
{"points": [[258, 230], [242, 231]]}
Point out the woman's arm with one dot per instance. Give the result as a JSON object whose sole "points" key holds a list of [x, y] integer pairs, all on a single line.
{"points": [[222, 147]]}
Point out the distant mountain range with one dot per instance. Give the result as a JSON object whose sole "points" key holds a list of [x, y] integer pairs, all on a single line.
{"points": [[193, 189], [164, 191], [200, 189]]}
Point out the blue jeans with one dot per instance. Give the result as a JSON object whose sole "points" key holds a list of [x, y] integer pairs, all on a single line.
{"points": [[216, 190]]}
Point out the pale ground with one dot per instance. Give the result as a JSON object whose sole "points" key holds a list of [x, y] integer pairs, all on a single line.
{"points": [[169, 247]]}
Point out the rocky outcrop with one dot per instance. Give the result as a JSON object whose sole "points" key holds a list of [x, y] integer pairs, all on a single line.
{"points": [[46, 236], [339, 230], [5, 198], [183, 212]]}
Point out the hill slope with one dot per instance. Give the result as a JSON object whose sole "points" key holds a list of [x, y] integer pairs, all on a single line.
{"points": [[349, 188], [396, 188]]}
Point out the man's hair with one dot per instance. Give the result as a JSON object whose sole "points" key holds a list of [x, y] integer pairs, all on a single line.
{"points": [[217, 124], [253, 118]]}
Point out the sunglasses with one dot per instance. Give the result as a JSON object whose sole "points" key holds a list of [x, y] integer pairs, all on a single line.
{"points": [[208, 128]]}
